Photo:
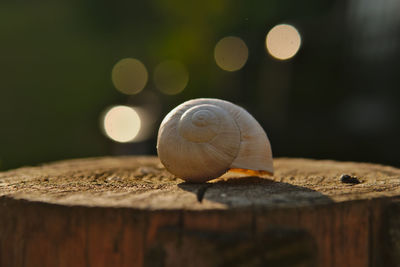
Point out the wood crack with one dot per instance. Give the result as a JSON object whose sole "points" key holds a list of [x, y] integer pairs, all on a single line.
{"points": [[201, 192]]}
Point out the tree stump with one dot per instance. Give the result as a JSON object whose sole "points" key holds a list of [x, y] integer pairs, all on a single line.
{"points": [[129, 211]]}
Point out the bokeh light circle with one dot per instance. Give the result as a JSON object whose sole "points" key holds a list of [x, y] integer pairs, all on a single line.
{"points": [[129, 76], [121, 124], [171, 77], [283, 41], [231, 53]]}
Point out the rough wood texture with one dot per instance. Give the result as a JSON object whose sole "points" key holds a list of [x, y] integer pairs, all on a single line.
{"points": [[129, 211]]}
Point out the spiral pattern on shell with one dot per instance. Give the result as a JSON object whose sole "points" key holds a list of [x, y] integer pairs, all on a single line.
{"points": [[205, 141]]}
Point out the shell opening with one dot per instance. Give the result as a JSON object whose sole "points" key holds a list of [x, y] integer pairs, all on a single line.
{"points": [[251, 172]]}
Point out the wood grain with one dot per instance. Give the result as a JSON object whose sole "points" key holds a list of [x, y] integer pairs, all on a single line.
{"points": [[128, 211]]}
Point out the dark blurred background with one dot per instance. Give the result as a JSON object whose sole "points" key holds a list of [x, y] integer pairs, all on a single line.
{"points": [[324, 84]]}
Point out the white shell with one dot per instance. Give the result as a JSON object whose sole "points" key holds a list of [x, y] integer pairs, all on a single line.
{"points": [[203, 138]]}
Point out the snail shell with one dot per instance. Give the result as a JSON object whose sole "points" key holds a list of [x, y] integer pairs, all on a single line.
{"points": [[203, 138]]}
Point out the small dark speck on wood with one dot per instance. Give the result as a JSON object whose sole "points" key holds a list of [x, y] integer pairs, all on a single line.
{"points": [[347, 179]]}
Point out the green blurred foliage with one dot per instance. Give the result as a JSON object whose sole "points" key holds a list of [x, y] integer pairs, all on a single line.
{"points": [[57, 56]]}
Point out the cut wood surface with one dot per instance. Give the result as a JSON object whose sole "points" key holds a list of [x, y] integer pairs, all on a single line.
{"points": [[129, 211]]}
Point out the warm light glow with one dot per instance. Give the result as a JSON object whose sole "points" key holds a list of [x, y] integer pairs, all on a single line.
{"points": [[129, 76], [231, 53], [122, 124], [171, 77], [283, 41]]}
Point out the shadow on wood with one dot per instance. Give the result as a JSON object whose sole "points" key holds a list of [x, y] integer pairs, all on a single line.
{"points": [[256, 192]]}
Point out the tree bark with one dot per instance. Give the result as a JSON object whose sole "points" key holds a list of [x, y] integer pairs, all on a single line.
{"points": [[129, 211]]}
